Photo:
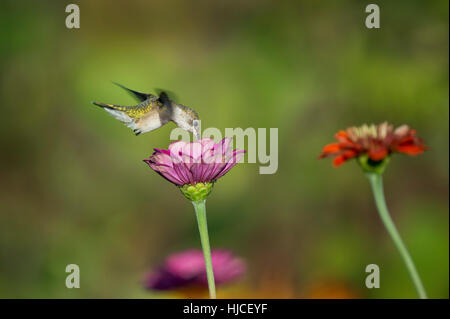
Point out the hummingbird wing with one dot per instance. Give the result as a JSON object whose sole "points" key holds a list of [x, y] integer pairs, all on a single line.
{"points": [[169, 95], [164, 99], [140, 118], [137, 95]]}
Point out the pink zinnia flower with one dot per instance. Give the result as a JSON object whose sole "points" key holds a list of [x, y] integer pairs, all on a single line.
{"points": [[202, 161], [195, 166], [187, 269]]}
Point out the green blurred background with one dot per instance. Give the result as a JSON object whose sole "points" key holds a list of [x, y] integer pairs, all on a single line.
{"points": [[74, 189]]}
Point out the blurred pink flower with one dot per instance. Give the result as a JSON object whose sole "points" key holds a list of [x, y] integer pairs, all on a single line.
{"points": [[188, 269], [202, 161]]}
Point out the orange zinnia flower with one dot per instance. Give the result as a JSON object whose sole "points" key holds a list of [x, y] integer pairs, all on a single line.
{"points": [[372, 146], [376, 142]]}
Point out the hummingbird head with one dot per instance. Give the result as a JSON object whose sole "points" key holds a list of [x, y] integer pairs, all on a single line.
{"points": [[187, 119]]}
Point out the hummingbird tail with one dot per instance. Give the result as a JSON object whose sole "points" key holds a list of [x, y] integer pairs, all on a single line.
{"points": [[110, 106], [119, 113]]}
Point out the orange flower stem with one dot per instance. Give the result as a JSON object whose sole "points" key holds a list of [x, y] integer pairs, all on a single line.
{"points": [[376, 182]]}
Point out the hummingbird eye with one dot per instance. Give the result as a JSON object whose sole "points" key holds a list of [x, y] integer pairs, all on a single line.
{"points": [[196, 122]]}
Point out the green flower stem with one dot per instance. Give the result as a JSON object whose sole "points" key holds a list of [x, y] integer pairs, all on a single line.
{"points": [[200, 212], [376, 181]]}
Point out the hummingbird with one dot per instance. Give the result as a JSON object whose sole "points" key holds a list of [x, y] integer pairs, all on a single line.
{"points": [[152, 112]]}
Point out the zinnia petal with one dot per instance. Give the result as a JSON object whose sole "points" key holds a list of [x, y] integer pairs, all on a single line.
{"points": [[235, 158], [411, 149], [168, 173]]}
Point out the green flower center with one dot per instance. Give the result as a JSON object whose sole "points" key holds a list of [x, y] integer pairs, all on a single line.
{"points": [[197, 192], [371, 166]]}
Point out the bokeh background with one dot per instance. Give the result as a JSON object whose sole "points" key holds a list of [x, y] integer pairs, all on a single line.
{"points": [[74, 189]]}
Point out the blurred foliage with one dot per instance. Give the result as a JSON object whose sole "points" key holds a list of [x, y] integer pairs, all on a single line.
{"points": [[74, 189]]}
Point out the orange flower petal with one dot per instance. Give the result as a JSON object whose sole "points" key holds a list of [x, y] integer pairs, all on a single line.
{"points": [[342, 137], [411, 149], [378, 154], [331, 148], [339, 160], [350, 154], [341, 133]]}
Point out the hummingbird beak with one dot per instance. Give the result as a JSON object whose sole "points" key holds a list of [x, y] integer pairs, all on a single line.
{"points": [[196, 130], [196, 134]]}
